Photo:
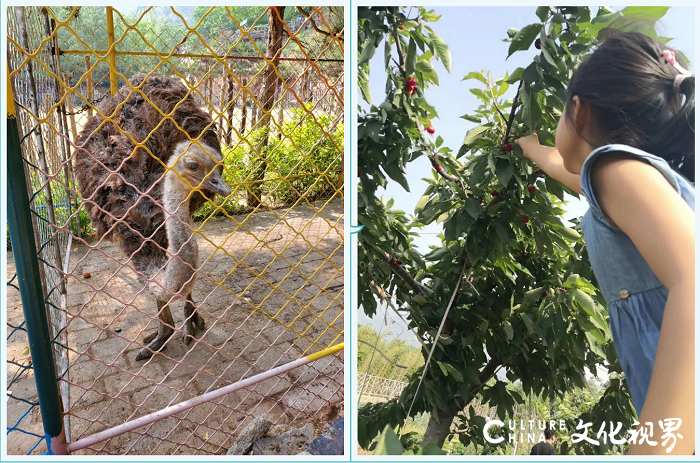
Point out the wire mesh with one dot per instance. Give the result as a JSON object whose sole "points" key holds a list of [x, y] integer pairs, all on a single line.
{"points": [[268, 271]]}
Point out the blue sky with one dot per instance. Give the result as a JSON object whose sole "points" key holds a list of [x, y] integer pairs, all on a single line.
{"points": [[474, 36]]}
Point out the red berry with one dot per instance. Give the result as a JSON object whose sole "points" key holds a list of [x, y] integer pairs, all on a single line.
{"points": [[87, 275], [522, 253], [549, 36], [481, 201], [532, 189], [508, 147], [398, 261], [438, 168], [411, 82], [494, 192], [526, 219], [430, 129], [538, 44], [412, 89], [402, 27]]}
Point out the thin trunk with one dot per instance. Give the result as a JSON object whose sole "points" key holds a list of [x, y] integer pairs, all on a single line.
{"points": [[90, 91], [230, 103], [222, 103], [244, 107], [283, 94], [439, 426], [69, 103], [274, 44]]}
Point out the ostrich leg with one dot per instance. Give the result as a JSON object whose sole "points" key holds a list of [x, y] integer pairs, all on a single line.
{"points": [[193, 321], [156, 340]]}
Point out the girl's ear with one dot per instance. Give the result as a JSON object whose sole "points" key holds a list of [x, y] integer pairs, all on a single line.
{"points": [[582, 116]]}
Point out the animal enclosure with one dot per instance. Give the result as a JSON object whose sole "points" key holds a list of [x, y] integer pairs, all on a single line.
{"points": [[184, 161]]}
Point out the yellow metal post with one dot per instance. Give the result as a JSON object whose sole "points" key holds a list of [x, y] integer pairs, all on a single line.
{"points": [[112, 51]]}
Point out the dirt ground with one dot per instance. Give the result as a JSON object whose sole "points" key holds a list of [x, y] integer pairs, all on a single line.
{"points": [[269, 294]]}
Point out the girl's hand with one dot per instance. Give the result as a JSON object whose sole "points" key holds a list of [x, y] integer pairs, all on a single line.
{"points": [[530, 145], [549, 160]]}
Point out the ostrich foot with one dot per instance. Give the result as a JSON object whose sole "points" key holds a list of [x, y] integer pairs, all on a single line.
{"points": [[189, 329], [156, 341]]}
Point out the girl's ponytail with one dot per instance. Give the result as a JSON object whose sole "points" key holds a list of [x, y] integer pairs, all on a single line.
{"points": [[675, 139], [628, 83]]}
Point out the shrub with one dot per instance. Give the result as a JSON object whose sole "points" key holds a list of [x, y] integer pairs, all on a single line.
{"points": [[305, 162]]}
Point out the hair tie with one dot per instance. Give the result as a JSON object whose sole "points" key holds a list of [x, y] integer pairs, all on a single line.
{"points": [[670, 57]]}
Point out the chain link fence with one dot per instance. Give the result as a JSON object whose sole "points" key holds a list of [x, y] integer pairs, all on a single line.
{"points": [[263, 318]]}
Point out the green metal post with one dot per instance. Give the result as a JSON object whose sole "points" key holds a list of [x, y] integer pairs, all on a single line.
{"points": [[27, 264]]}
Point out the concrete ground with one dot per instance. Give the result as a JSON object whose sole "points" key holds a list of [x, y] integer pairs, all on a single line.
{"points": [[269, 294]]}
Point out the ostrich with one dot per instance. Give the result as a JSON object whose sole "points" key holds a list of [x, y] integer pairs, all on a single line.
{"points": [[143, 198]]}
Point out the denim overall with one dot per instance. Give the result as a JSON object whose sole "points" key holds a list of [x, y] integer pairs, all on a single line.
{"points": [[636, 298]]}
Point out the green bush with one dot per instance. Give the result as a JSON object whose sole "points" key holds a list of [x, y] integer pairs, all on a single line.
{"points": [[305, 162]]}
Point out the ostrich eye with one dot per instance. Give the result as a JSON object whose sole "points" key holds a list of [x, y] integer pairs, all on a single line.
{"points": [[191, 165]]}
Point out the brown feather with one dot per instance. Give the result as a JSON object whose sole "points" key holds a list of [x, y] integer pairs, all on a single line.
{"points": [[113, 176]]}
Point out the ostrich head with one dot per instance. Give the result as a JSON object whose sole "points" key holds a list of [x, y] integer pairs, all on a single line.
{"points": [[198, 165]]}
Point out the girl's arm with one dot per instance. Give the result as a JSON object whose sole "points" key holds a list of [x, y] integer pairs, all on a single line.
{"points": [[641, 202], [549, 160]]}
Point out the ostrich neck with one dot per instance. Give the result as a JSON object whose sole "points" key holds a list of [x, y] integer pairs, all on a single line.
{"points": [[179, 221]]}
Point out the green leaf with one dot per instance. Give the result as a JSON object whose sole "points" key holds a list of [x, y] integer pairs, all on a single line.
{"points": [[474, 134], [516, 76], [503, 88], [421, 203], [387, 54], [556, 62], [542, 12], [472, 375], [524, 38], [512, 32], [475, 75], [569, 234], [442, 51], [656, 12], [397, 174], [368, 51], [532, 296], [455, 373], [363, 83], [531, 109], [443, 368], [388, 443], [481, 94], [427, 107], [585, 300], [577, 48], [509, 330], [504, 171], [528, 323], [411, 58], [554, 187], [471, 118], [502, 233], [472, 207], [425, 67]]}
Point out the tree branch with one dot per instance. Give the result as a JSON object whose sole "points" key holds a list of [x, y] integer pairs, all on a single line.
{"points": [[401, 272], [383, 355], [386, 298], [516, 104], [313, 23]]}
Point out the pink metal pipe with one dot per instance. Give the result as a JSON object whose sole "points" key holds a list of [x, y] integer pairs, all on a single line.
{"points": [[208, 397]]}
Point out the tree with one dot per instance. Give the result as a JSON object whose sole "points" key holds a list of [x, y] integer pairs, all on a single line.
{"points": [[511, 279]]}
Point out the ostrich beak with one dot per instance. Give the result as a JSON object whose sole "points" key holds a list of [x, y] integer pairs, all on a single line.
{"points": [[217, 185]]}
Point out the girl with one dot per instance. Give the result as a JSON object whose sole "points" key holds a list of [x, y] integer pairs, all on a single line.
{"points": [[626, 141]]}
